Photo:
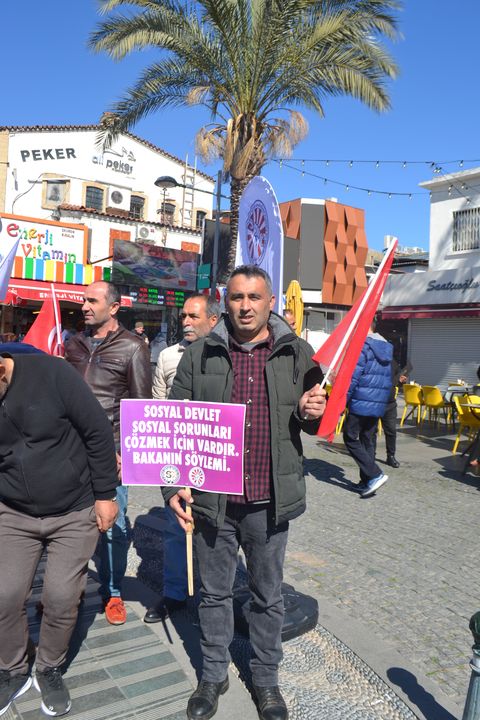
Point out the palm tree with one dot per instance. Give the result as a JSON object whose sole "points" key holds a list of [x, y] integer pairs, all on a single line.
{"points": [[251, 63]]}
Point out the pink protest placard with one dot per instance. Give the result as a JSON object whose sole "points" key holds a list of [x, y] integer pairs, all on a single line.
{"points": [[185, 444]]}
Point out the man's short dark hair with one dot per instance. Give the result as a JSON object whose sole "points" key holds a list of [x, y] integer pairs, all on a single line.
{"points": [[112, 293], [212, 306], [252, 271]]}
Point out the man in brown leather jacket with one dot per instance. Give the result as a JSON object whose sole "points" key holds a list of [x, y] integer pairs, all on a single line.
{"points": [[116, 365]]}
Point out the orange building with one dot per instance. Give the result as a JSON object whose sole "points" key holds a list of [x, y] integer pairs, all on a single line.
{"points": [[325, 249]]}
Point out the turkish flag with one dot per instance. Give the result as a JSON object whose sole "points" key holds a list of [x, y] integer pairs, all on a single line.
{"points": [[341, 351], [46, 332]]}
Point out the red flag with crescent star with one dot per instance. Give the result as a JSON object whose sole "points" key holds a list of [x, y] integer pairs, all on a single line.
{"points": [[46, 332]]}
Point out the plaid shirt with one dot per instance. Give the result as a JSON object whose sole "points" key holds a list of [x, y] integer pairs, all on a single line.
{"points": [[250, 389]]}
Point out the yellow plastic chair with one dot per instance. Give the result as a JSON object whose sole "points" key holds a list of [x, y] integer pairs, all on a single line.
{"points": [[467, 419], [341, 419], [433, 402], [413, 399]]}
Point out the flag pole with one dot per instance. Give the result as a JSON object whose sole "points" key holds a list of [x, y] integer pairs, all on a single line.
{"points": [[57, 320], [359, 311]]}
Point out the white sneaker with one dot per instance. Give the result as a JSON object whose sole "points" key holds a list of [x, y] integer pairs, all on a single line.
{"points": [[374, 484]]}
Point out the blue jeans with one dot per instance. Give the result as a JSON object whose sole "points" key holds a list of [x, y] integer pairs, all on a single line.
{"points": [[252, 527], [113, 550], [174, 558]]}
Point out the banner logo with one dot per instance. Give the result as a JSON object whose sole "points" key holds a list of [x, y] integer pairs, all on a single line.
{"points": [[257, 232]]}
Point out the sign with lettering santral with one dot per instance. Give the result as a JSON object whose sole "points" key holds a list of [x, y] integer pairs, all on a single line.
{"points": [[45, 239], [183, 444]]}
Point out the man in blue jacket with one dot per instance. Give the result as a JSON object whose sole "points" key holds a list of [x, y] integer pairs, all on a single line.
{"points": [[367, 401]]}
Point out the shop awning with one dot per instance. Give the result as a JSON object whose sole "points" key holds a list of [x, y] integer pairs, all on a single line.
{"points": [[21, 290], [429, 311]]}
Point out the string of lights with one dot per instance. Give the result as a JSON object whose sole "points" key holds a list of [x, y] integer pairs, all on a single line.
{"points": [[437, 169], [377, 163]]}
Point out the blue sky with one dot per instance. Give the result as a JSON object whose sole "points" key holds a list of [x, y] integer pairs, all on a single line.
{"points": [[49, 77]]}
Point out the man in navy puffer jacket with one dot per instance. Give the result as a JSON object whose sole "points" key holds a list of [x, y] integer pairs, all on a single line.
{"points": [[366, 401]]}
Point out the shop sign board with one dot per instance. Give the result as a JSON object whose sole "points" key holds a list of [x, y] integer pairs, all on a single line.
{"points": [[183, 444], [45, 240]]}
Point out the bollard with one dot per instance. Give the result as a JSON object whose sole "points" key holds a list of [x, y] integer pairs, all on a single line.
{"points": [[472, 704]]}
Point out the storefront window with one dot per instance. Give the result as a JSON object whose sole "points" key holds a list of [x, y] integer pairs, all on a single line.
{"points": [[94, 198], [201, 215], [136, 207], [466, 230]]}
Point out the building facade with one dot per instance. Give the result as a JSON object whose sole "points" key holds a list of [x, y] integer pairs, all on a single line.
{"points": [[69, 202], [325, 250], [442, 305]]}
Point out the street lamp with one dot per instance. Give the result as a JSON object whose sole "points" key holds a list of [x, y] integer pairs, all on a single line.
{"points": [[167, 182]]}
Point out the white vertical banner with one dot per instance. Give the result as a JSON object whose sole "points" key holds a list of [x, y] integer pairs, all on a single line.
{"points": [[260, 234], [8, 249]]}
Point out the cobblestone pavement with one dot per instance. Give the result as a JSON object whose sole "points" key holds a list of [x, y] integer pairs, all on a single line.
{"points": [[320, 676], [403, 562]]}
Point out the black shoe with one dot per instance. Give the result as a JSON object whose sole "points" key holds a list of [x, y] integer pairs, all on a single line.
{"points": [[11, 687], [203, 703], [55, 696], [165, 607], [392, 461], [270, 703]]}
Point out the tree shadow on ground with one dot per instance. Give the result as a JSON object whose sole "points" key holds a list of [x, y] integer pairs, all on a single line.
{"points": [[417, 694]]}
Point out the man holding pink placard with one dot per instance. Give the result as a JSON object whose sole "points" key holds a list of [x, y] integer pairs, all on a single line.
{"points": [[253, 358]]}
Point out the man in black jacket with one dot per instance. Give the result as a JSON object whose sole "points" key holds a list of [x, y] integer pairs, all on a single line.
{"points": [[116, 364], [58, 479], [252, 357]]}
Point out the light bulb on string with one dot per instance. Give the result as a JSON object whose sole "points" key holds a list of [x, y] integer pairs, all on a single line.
{"points": [[404, 164], [461, 163], [377, 164], [351, 163]]}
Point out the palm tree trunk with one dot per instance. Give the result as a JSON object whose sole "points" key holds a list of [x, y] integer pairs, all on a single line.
{"points": [[236, 189]]}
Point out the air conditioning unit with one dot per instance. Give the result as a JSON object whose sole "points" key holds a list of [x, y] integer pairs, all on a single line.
{"points": [[116, 198], [145, 234]]}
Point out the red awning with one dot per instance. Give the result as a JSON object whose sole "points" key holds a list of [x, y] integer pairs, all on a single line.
{"points": [[19, 290], [429, 311]]}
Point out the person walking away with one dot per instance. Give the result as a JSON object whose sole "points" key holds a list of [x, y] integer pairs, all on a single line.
{"points": [[115, 363], [58, 480], [367, 400], [250, 357], [389, 418], [199, 315]]}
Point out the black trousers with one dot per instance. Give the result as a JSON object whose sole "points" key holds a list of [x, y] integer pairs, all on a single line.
{"points": [[389, 425], [359, 437]]}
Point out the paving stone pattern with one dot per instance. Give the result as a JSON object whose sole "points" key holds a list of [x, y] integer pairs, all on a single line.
{"points": [[404, 562]]}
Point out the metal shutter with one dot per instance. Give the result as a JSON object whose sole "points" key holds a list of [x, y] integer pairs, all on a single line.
{"points": [[441, 350]]}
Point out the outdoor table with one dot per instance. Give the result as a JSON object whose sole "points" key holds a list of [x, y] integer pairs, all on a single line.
{"points": [[456, 390]]}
